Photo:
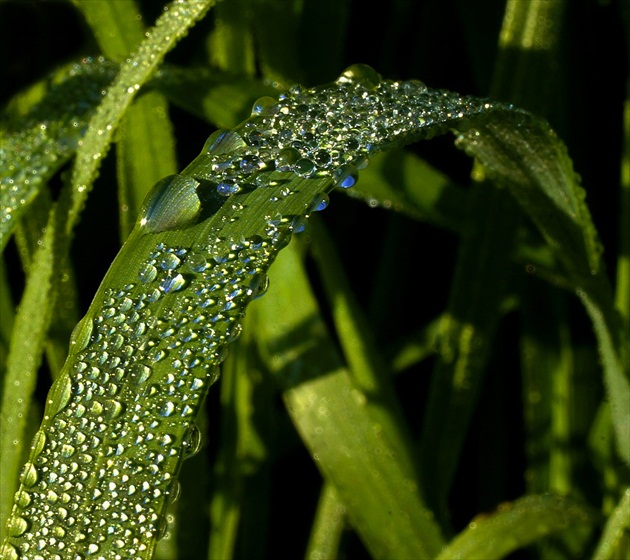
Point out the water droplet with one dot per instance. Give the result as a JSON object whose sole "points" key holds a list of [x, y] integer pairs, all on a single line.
{"points": [[166, 409], [60, 394], [81, 334], [147, 273], [360, 74], [228, 187], [251, 164], [346, 176], [264, 106], [17, 526], [286, 159], [140, 373], [173, 203], [169, 261], [191, 441], [304, 167], [28, 476], [173, 283], [320, 202], [9, 552], [223, 142], [39, 441]]}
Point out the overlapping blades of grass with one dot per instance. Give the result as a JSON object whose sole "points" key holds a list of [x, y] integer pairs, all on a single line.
{"points": [[371, 471]]}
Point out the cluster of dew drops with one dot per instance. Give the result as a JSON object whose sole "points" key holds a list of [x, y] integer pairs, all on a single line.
{"points": [[329, 131]]}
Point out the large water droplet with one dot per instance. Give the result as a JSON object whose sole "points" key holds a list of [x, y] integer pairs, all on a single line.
{"points": [[173, 203], [9, 552], [81, 334], [28, 476], [223, 142], [17, 526], [264, 106], [360, 74]]}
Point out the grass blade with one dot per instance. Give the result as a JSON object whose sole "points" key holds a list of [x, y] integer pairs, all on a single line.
{"points": [[514, 526], [35, 146], [371, 473], [26, 348], [178, 17], [614, 542]]}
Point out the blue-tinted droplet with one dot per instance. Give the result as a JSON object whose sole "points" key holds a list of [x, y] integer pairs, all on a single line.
{"points": [[346, 176]]}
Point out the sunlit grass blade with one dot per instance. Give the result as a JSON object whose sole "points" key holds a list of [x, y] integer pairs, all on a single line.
{"points": [[144, 356], [622, 294], [146, 149], [366, 366], [328, 526], [231, 43], [466, 333], [170, 27], [117, 26], [514, 526], [615, 541], [221, 98], [361, 458], [402, 182], [26, 347]]}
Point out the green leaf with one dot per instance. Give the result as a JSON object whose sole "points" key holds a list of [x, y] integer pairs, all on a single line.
{"points": [[25, 351], [514, 526], [372, 473]]}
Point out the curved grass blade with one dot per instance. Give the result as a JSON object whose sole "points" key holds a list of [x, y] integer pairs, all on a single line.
{"points": [[120, 416], [25, 352], [524, 154], [33, 148], [170, 27], [515, 526], [146, 148]]}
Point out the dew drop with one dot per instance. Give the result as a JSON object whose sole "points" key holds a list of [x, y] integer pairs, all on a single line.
{"points": [[304, 167], [112, 408], [140, 373], [264, 106], [147, 273], [22, 499], [169, 261], [228, 187], [28, 477], [17, 526], [173, 203], [81, 334], [286, 159], [345, 176], [166, 409], [191, 441], [39, 441], [173, 283], [223, 142], [60, 394], [320, 202], [360, 74], [9, 552]]}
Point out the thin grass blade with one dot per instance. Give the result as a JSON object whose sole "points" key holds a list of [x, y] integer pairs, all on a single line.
{"points": [[514, 526]]}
